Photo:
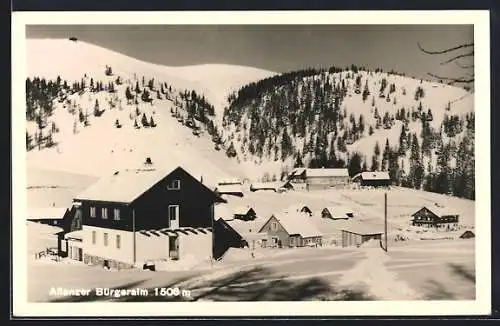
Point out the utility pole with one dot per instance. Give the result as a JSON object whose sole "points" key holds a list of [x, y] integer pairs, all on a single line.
{"points": [[385, 220]]}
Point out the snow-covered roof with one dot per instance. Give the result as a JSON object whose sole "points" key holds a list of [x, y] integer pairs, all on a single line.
{"points": [[229, 181], [242, 210], [298, 223], [327, 172], [266, 185], [39, 228], [363, 228], [296, 208], [339, 211], [443, 211], [75, 235], [124, 186], [375, 175], [229, 188], [46, 213], [222, 211], [297, 171], [243, 227]]}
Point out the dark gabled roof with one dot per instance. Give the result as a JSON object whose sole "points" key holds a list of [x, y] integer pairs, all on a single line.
{"points": [[439, 211], [128, 185]]}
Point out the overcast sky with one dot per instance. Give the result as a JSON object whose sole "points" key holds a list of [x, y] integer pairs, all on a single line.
{"points": [[278, 48]]}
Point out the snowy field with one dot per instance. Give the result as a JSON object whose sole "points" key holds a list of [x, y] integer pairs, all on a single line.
{"points": [[411, 270], [415, 271], [367, 205]]}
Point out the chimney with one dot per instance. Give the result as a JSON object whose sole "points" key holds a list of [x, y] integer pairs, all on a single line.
{"points": [[148, 164]]}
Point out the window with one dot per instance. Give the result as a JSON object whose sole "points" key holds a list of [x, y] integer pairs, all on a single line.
{"points": [[92, 211], [118, 241], [116, 214], [93, 237], [174, 185], [105, 239], [274, 226], [104, 213]]}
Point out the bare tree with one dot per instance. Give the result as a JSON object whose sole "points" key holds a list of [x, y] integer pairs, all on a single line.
{"points": [[458, 53]]}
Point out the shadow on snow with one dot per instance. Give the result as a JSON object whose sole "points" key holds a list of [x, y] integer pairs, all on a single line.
{"points": [[256, 284]]}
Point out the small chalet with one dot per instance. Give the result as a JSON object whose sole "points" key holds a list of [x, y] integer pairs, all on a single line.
{"points": [[373, 179], [135, 216], [319, 178], [467, 235], [337, 213], [245, 213], [299, 208], [435, 217], [357, 233], [290, 230]]}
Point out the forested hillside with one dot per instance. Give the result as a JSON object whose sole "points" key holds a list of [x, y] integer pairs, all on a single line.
{"points": [[421, 132]]}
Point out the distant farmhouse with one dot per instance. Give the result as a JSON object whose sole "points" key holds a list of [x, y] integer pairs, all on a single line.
{"points": [[318, 178], [357, 233], [245, 213], [467, 235], [290, 230], [135, 216], [300, 208], [373, 179], [337, 213], [435, 217]]}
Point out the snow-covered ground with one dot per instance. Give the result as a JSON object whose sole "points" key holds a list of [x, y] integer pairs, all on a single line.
{"points": [[415, 271], [72, 60]]}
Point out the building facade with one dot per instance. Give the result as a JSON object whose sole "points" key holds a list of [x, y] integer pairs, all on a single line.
{"points": [[437, 217], [373, 179], [118, 212], [290, 230], [319, 178]]}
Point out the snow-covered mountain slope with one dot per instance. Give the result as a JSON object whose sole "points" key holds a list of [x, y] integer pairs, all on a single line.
{"points": [[72, 60], [219, 80], [100, 147], [315, 106]]}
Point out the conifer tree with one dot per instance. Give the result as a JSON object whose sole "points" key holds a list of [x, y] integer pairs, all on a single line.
{"points": [[354, 166], [298, 160], [144, 120]]}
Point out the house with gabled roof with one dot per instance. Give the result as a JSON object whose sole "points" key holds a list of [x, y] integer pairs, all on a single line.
{"points": [[299, 208], [337, 213], [138, 215], [320, 178], [356, 233], [373, 179], [435, 217], [290, 230]]}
